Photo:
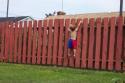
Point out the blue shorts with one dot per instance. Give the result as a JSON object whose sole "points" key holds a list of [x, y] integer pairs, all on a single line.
{"points": [[72, 44]]}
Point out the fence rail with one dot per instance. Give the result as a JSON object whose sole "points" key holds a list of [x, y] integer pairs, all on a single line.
{"points": [[101, 43]]}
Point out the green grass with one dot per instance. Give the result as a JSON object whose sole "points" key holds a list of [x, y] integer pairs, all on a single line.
{"points": [[18, 73]]}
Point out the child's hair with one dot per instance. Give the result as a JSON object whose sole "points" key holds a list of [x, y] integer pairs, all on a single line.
{"points": [[74, 26]]}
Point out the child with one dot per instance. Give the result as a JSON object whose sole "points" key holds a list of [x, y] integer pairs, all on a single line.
{"points": [[72, 42]]}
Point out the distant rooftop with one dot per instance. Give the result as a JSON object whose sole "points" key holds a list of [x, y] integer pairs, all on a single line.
{"points": [[13, 19], [87, 15]]}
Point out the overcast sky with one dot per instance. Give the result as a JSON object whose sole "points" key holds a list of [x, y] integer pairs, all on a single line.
{"points": [[38, 8]]}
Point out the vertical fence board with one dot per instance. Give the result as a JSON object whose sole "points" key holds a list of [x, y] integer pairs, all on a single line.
{"points": [[50, 40], [98, 43], [119, 43], [44, 50], [15, 42], [40, 32], [78, 50], [60, 51], [8, 55], [91, 44], [111, 43], [0, 31], [20, 43], [105, 43], [34, 42], [29, 42], [67, 21], [11, 43], [84, 43], [24, 42], [123, 56], [72, 58], [2, 41], [55, 46], [6, 42]]}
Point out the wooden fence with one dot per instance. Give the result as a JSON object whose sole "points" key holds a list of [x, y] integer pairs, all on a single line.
{"points": [[101, 43]]}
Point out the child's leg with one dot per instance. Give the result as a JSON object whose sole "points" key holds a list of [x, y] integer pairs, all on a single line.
{"points": [[69, 52], [74, 47], [69, 47], [74, 52]]}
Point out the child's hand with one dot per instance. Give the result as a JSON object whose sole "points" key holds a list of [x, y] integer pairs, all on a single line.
{"points": [[80, 22]]}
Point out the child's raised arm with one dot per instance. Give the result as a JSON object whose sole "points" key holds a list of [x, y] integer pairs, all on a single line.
{"points": [[78, 26], [69, 29]]}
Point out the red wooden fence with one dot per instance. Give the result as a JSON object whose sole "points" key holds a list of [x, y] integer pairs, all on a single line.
{"points": [[101, 43]]}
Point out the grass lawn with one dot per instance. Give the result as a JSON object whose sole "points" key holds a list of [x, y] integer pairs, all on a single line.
{"points": [[18, 73]]}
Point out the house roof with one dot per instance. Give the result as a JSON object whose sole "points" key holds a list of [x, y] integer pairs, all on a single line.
{"points": [[13, 19], [87, 15]]}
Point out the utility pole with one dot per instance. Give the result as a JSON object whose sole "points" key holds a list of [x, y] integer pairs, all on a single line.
{"points": [[7, 8], [121, 7]]}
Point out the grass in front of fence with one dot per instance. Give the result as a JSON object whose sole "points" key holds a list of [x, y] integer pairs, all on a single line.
{"points": [[18, 73]]}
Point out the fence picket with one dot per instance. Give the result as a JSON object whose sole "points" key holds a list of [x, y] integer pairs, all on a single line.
{"points": [[55, 46], [50, 40], [79, 46], [45, 40], [98, 43], [111, 43], [40, 33], [61, 32], [2, 42], [6, 42], [123, 56], [105, 43], [24, 42], [91, 44], [19, 43], [84, 43], [67, 21], [29, 42], [119, 43], [15, 41], [34, 42]]}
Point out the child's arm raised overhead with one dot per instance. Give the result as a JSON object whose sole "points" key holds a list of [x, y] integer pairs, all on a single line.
{"points": [[78, 26], [69, 29]]}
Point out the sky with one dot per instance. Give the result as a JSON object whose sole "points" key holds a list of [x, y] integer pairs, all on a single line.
{"points": [[38, 8]]}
